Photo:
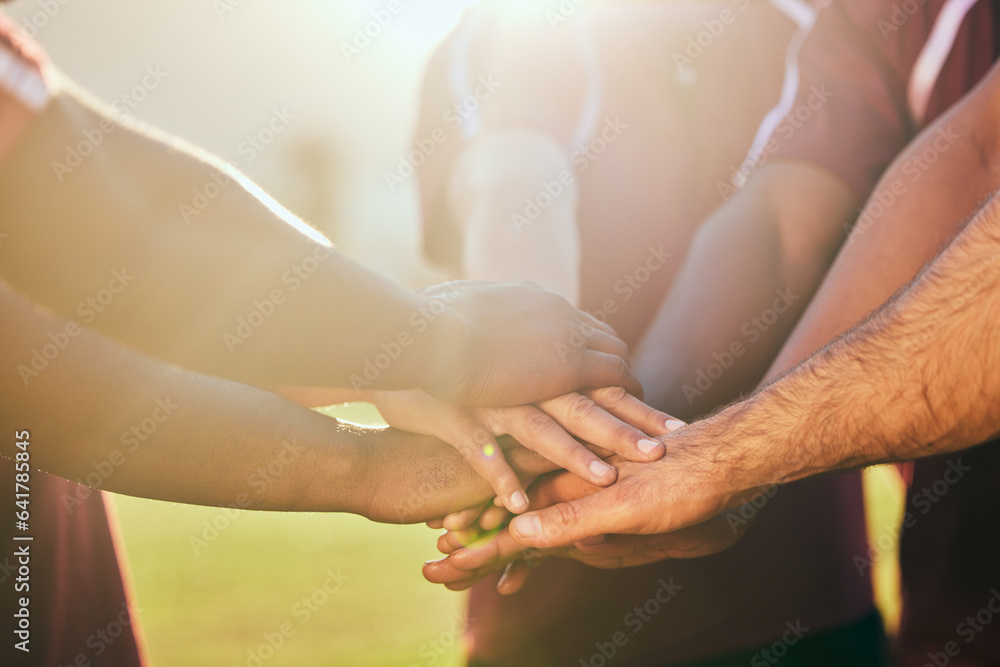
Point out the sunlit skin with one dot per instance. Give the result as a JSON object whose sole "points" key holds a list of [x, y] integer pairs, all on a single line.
{"points": [[188, 285], [916, 380]]}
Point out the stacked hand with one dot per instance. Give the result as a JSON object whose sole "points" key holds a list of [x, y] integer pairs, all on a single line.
{"points": [[620, 526], [526, 345], [609, 420]]}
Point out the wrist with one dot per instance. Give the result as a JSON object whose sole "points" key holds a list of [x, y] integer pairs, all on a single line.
{"points": [[450, 350], [743, 454]]}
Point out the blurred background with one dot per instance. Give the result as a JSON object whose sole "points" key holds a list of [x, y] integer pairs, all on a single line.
{"points": [[225, 67], [218, 588]]}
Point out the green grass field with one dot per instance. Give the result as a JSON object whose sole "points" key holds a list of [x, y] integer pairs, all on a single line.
{"points": [[211, 609]]}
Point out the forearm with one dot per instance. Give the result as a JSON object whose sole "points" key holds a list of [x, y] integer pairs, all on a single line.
{"points": [[109, 417], [917, 379], [114, 418], [232, 285], [919, 204], [749, 274]]}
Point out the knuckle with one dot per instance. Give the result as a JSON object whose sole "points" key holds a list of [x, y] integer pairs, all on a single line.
{"points": [[611, 396], [537, 422], [623, 433], [566, 516], [581, 407], [619, 368]]}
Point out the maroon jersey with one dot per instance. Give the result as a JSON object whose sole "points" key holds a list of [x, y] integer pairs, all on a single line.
{"points": [[688, 114]]}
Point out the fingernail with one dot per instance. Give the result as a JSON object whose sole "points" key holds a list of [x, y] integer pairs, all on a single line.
{"points": [[519, 502], [599, 469], [433, 562], [528, 526], [648, 446], [674, 424]]}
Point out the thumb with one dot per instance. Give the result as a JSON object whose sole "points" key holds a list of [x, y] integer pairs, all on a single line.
{"points": [[564, 524]]}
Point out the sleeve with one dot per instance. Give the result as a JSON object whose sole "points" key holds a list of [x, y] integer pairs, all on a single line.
{"points": [[850, 113]]}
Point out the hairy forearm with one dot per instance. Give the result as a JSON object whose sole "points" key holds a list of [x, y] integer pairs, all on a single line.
{"points": [[159, 246], [749, 274], [919, 378]]}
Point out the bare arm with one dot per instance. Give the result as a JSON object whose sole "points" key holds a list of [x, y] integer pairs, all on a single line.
{"points": [[919, 205], [750, 272], [100, 412], [917, 379], [129, 242]]}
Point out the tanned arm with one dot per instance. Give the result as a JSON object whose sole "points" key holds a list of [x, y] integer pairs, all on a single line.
{"points": [[918, 378], [236, 286], [761, 254], [158, 431]]}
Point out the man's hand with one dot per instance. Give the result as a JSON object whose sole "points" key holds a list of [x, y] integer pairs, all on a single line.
{"points": [[472, 557], [700, 476], [526, 345]]}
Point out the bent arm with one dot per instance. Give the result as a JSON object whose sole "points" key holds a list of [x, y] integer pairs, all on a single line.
{"points": [[919, 378], [919, 204], [750, 272]]}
